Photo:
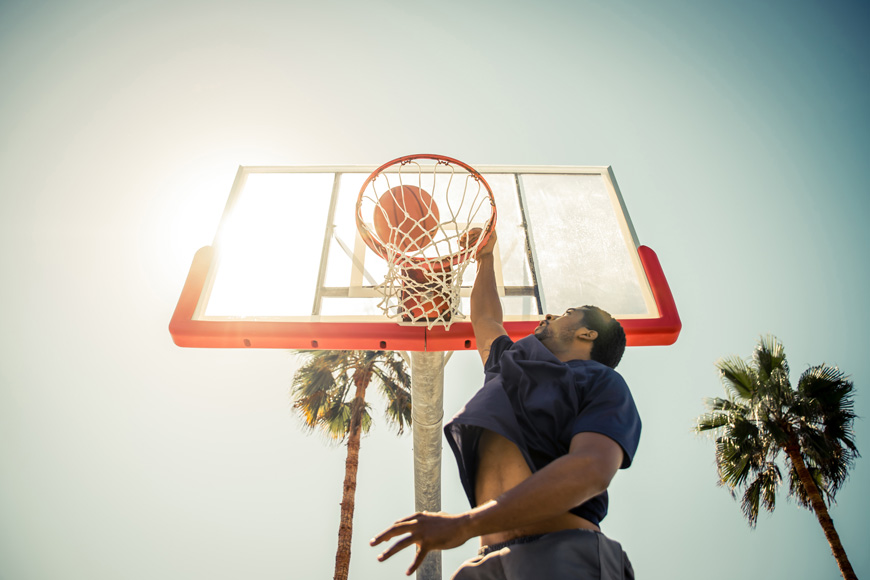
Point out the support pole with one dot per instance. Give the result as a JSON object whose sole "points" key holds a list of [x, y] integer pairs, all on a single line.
{"points": [[427, 414]]}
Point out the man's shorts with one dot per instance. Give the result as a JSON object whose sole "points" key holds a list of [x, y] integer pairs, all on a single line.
{"points": [[574, 554]]}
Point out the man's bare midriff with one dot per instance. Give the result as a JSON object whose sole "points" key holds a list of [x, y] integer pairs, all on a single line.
{"points": [[501, 466]]}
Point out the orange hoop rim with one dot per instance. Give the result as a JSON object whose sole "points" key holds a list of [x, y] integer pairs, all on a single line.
{"points": [[428, 263]]}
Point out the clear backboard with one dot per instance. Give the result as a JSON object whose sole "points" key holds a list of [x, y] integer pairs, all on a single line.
{"points": [[288, 268]]}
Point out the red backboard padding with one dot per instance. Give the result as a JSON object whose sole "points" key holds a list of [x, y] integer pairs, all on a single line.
{"points": [[188, 332]]}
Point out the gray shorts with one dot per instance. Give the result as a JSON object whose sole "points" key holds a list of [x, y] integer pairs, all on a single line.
{"points": [[567, 554]]}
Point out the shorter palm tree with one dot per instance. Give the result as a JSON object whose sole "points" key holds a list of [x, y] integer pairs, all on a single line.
{"points": [[329, 391], [764, 415]]}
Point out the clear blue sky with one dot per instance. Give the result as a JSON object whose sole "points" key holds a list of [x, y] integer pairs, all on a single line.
{"points": [[738, 133]]}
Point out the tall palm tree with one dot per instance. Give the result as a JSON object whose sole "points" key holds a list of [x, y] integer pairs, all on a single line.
{"points": [[764, 415], [329, 392]]}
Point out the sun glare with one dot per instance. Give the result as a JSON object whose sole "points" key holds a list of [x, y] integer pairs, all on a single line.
{"points": [[269, 247]]}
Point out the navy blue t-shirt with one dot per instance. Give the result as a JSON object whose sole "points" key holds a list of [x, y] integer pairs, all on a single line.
{"points": [[539, 403]]}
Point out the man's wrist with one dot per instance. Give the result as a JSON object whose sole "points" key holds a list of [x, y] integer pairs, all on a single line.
{"points": [[474, 521], [467, 525], [484, 259]]}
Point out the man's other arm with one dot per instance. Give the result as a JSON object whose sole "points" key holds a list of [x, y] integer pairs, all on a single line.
{"points": [[586, 471]]}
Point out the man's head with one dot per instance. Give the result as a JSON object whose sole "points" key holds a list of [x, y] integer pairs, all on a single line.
{"points": [[609, 347], [585, 332]]}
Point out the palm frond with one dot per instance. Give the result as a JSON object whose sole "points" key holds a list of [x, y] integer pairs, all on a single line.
{"points": [[761, 492], [739, 451], [319, 387], [311, 408], [736, 376], [311, 381], [396, 368], [749, 504], [336, 421], [366, 420], [772, 428], [395, 386], [825, 415], [815, 445], [772, 479], [711, 422], [775, 392], [734, 467], [769, 355], [726, 405], [829, 397], [398, 408], [719, 412]]}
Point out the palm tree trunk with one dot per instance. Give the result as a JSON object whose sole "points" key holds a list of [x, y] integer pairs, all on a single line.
{"points": [[351, 466], [820, 509]]}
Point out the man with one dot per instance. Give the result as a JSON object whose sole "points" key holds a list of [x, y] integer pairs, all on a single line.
{"points": [[537, 447]]}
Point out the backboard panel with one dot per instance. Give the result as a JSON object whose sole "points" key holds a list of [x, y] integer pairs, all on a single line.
{"points": [[288, 269]]}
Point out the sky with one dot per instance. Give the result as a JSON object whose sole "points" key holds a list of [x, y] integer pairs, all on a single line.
{"points": [[738, 133]]}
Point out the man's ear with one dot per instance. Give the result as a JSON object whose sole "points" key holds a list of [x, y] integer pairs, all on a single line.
{"points": [[584, 333]]}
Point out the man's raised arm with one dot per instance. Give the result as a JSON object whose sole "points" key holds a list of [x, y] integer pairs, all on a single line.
{"points": [[486, 312]]}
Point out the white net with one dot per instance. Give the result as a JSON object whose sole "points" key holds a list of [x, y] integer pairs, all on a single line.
{"points": [[417, 216]]}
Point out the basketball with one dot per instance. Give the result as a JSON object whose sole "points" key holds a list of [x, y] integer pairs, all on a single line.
{"points": [[423, 295], [407, 217]]}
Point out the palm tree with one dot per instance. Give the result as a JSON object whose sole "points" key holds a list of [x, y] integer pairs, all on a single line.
{"points": [[764, 415], [329, 392]]}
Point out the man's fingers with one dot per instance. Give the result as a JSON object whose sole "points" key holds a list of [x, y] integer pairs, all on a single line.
{"points": [[488, 246], [418, 560], [397, 529], [397, 547], [469, 238]]}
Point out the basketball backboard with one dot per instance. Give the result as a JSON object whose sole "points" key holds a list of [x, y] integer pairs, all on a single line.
{"points": [[288, 268]]}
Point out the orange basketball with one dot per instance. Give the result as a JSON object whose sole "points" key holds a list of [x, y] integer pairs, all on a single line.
{"points": [[423, 297], [407, 217]]}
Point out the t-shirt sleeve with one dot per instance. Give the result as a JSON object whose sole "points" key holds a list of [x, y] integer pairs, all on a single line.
{"points": [[496, 349], [609, 409]]}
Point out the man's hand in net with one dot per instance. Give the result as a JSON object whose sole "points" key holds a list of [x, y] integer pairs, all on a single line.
{"points": [[470, 238]]}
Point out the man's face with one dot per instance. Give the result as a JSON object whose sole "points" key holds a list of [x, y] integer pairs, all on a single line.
{"points": [[560, 328]]}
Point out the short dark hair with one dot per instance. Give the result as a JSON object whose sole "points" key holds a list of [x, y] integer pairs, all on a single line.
{"points": [[609, 346]]}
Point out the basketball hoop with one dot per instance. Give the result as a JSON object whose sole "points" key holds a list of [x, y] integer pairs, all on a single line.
{"points": [[415, 212]]}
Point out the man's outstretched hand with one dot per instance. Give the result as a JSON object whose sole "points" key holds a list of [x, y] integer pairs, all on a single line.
{"points": [[429, 531], [470, 238]]}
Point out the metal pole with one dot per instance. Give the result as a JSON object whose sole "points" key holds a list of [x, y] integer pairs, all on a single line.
{"points": [[427, 413]]}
